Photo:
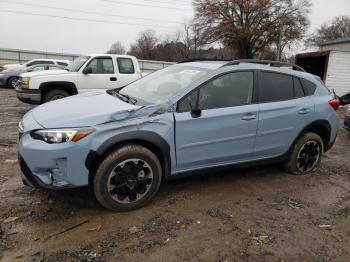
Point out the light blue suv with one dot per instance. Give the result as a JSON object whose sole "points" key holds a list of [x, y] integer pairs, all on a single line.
{"points": [[190, 116]]}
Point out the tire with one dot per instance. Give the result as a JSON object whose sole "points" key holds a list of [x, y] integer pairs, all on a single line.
{"points": [[55, 94], [12, 82], [306, 154], [114, 178]]}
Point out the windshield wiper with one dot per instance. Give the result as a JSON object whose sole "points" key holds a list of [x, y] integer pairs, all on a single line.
{"points": [[123, 97]]}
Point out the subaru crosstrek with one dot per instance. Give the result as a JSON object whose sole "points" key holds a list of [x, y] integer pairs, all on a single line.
{"points": [[187, 117]]}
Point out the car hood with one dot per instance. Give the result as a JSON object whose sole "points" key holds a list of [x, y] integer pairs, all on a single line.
{"points": [[87, 109], [46, 73]]}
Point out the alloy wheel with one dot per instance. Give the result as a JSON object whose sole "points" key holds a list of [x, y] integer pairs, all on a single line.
{"points": [[308, 156], [130, 180]]}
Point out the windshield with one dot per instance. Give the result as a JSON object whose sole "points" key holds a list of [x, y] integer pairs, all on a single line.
{"points": [[77, 63], [159, 86]]}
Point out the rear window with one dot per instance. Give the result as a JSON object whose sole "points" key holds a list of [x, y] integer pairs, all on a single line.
{"points": [[125, 65], [38, 62], [275, 87], [309, 87]]}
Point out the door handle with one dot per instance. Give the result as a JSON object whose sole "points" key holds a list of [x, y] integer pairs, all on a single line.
{"points": [[113, 78], [304, 111], [248, 117]]}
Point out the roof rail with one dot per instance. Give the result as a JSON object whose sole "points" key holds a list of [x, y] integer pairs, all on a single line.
{"points": [[202, 59], [266, 62]]}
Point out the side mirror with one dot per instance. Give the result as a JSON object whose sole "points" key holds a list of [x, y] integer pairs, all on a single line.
{"points": [[87, 70], [195, 113]]}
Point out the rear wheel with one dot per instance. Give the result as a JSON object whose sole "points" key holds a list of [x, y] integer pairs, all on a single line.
{"points": [[55, 95], [306, 154], [127, 178], [12, 82]]}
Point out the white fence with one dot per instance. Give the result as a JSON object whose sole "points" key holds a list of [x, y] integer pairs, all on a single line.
{"points": [[8, 55]]}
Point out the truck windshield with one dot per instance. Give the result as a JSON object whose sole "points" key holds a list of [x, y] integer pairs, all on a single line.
{"points": [[159, 86], [77, 63]]}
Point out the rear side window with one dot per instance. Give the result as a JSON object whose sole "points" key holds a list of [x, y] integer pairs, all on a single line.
{"points": [[309, 87], [298, 88], [125, 65], [62, 63], [275, 87]]}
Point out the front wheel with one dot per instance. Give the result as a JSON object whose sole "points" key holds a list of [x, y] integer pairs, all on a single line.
{"points": [[306, 154], [12, 82], [127, 178], [55, 95]]}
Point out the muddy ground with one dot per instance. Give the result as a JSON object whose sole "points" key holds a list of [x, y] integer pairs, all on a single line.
{"points": [[256, 214]]}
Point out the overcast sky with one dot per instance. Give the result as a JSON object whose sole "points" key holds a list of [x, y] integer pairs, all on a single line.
{"points": [[91, 26]]}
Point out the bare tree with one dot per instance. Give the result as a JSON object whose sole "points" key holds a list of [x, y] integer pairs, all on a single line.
{"points": [[144, 45], [250, 26], [117, 48], [339, 28]]}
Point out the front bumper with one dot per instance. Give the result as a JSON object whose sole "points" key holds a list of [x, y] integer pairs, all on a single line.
{"points": [[29, 96], [53, 166], [347, 122]]}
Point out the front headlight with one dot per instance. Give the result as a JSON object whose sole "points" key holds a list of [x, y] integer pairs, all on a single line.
{"points": [[25, 82], [56, 136]]}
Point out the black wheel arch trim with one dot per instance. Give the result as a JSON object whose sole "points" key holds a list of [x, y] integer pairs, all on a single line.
{"points": [[318, 123], [66, 84], [140, 137]]}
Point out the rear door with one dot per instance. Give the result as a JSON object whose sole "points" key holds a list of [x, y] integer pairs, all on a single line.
{"points": [[103, 75], [284, 110], [128, 70], [217, 123]]}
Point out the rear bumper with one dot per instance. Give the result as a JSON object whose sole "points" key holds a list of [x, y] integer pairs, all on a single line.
{"points": [[29, 96]]}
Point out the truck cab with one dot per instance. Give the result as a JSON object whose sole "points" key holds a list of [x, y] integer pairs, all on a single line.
{"points": [[86, 73]]}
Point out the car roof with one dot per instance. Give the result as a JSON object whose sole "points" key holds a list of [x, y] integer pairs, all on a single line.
{"points": [[245, 64], [206, 64]]}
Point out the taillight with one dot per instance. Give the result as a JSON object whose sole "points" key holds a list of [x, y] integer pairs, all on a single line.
{"points": [[334, 103]]}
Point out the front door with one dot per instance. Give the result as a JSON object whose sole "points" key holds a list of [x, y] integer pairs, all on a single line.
{"points": [[217, 124]]}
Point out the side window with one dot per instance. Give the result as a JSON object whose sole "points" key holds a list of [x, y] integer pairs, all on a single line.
{"points": [[54, 68], [309, 87], [232, 89], [125, 65], [62, 63], [275, 87], [38, 68], [101, 65], [298, 88], [189, 103]]}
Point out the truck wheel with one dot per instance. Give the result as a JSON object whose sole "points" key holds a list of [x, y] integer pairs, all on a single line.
{"points": [[12, 82], [55, 95], [306, 154], [127, 178]]}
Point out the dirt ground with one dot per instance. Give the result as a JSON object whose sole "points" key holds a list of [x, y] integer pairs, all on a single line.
{"points": [[256, 214]]}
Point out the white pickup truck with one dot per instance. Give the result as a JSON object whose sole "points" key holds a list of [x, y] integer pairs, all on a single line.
{"points": [[86, 73]]}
